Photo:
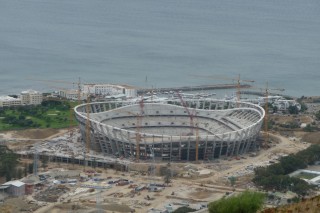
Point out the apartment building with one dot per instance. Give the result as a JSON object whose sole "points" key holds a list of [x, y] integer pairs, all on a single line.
{"points": [[7, 101], [31, 97]]}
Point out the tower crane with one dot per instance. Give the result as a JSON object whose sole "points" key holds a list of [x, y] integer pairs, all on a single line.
{"points": [[138, 136], [191, 116], [79, 85], [87, 143], [266, 117], [238, 80]]}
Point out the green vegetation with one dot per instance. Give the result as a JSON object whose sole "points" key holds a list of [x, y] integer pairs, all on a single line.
{"points": [[303, 105], [293, 110], [53, 114], [296, 205], [184, 209], [290, 125], [276, 176], [232, 180], [318, 115], [8, 164], [309, 128], [246, 202]]}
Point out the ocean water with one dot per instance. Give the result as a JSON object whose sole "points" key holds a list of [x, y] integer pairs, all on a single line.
{"points": [[150, 43]]}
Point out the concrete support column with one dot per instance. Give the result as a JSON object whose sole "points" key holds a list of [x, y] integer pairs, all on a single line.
{"points": [[221, 145], [188, 153], [205, 149], [180, 148]]}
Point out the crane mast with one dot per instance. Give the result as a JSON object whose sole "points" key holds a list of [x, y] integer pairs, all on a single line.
{"points": [[192, 125], [87, 142]]}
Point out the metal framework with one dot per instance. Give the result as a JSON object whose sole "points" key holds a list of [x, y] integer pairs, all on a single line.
{"points": [[224, 129]]}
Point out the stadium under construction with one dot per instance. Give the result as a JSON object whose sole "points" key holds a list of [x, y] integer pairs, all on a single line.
{"points": [[174, 130]]}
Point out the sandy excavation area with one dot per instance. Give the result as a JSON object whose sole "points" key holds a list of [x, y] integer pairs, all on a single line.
{"points": [[186, 187], [32, 134]]}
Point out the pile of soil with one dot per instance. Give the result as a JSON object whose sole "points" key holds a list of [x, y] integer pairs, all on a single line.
{"points": [[200, 194], [15, 205], [312, 137], [52, 193], [35, 133]]}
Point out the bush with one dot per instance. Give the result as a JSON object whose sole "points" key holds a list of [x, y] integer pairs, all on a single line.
{"points": [[275, 176], [246, 202], [184, 209]]}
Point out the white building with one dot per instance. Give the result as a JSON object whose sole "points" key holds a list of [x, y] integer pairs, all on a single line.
{"points": [[280, 102], [7, 101], [70, 94], [110, 90], [14, 188], [31, 97]]}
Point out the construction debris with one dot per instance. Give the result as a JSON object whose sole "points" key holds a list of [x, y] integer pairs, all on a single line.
{"points": [[52, 193]]}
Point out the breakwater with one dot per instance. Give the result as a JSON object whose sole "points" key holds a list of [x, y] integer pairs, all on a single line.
{"points": [[195, 88]]}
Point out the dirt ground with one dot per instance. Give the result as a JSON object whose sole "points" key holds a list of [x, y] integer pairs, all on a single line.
{"points": [[16, 205], [201, 193], [198, 189], [33, 133], [309, 137], [285, 119], [29, 136], [312, 137]]}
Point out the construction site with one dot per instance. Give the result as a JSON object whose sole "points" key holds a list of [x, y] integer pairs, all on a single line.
{"points": [[124, 185], [98, 168], [144, 155], [174, 130]]}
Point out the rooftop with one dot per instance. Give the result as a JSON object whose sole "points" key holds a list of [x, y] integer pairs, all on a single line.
{"points": [[30, 91], [8, 98], [16, 183]]}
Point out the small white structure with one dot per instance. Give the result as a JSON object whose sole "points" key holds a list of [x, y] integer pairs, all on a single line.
{"points": [[7, 101], [28, 97], [110, 90], [15, 188], [71, 94], [303, 125]]}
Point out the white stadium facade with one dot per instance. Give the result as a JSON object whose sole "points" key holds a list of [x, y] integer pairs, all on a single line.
{"points": [[169, 131]]}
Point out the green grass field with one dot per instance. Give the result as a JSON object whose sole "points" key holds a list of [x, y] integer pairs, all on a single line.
{"points": [[53, 114]]}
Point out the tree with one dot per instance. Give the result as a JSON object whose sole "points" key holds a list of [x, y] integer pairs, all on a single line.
{"points": [[8, 176], [246, 202], [274, 109], [8, 163], [293, 109], [19, 173], [291, 163], [308, 128], [318, 115], [22, 117], [232, 180]]}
